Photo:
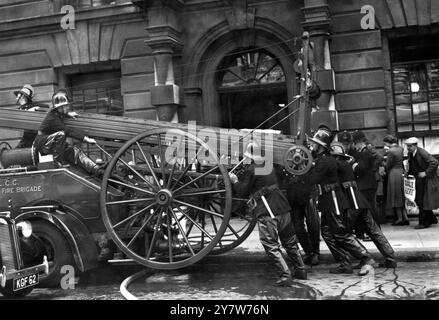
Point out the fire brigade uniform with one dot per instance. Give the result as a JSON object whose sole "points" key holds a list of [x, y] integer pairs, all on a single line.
{"points": [[332, 202], [51, 139], [28, 135], [270, 230], [299, 197], [359, 207]]}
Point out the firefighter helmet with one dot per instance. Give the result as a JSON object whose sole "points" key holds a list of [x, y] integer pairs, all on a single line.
{"points": [[27, 91], [337, 149], [323, 137], [59, 99]]}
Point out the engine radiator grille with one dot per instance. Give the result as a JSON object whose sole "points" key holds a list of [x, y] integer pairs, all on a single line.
{"points": [[7, 249]]}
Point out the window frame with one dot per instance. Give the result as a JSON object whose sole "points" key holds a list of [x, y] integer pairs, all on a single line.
{"points": [[430, 123]]}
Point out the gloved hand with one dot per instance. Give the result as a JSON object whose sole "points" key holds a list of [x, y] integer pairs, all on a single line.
{"points": [[89, 140], [233, 178], [72, 114]]}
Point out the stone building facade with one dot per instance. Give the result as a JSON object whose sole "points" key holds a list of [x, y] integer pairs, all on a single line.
{"points": [[229, 63]]}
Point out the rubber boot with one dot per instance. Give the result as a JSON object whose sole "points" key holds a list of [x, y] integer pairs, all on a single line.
{"points": [[83, 161], [298, 264]]}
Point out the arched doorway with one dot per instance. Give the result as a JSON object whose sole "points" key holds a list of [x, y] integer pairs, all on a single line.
{"points": [[251, 85]]}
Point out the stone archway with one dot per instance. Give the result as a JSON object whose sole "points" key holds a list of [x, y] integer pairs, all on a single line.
{"points": [[221, 41]]}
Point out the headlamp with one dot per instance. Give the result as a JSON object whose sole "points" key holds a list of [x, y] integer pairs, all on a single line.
{"points": [[25, 228]]}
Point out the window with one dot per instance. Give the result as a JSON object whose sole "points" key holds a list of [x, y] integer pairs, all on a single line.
{"points": [[416, 95], [97, 92], [251, 87], [415, 81], [254, 67]]}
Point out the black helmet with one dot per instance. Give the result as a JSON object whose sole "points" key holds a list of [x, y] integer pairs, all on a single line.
{"points": [[60, 98], [323, 137], [337, 149]]}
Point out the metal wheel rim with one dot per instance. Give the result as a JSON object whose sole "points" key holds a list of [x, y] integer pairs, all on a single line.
{"points": [[123, 246]]}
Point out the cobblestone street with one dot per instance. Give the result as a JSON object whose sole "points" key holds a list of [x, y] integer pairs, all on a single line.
{"points": [[215, 280]]}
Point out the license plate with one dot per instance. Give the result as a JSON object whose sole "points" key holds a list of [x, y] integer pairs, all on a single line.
{"points": [[25, 281]]}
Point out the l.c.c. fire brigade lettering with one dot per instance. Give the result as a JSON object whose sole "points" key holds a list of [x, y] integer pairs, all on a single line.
{"points": [[8, 183], [10, 186]]}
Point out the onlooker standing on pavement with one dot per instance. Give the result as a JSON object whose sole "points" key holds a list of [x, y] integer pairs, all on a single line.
{"points": [[365, 174], [303, 209], [423, 166], [395, 181], [345, 138], [274, 219]]}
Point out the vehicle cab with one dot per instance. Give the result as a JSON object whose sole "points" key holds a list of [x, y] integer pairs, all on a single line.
{"points": [[15, 280]]}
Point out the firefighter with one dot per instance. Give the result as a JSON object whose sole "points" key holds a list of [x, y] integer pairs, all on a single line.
{"points": [[305, 217], [24, 98], [52, 134], [331, 203], [273, 213], [359, 207]]}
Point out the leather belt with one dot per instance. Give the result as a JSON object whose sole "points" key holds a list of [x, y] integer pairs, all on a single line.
{"points": [[349, 184], [264, 191]]}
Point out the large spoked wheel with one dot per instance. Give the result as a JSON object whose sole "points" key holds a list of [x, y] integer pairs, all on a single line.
{"points": [[240, 226], [172, 214]]}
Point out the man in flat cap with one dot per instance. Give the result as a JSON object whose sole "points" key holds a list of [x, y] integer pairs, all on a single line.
{"points": [[423, 166]]}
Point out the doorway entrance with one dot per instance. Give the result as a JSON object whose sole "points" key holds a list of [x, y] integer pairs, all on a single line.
{"points": [[246, 109], [251, 89]]}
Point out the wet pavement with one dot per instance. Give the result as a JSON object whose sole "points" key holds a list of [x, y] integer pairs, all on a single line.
{"points": [[217, 279]]}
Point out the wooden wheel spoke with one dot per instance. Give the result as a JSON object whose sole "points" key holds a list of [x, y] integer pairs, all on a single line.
{"points": [[183, 234], [132, 187], [192, 224], [168, 220], [229, 226], [199, 193], [187, 168], [162, 159], [141, 228], [132, 216], [215, 228], [137, 174], [233, 230], [154, 236], [196, 224], [129, 201], [198, 208], [202, 218], [148, 164], [196, 179]]}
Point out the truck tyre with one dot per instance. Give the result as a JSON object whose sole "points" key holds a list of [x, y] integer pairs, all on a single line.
{"points": [[48, 240], [9, 293]]}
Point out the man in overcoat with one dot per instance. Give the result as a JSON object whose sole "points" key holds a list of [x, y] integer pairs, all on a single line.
{"points": [[423, 166]]}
